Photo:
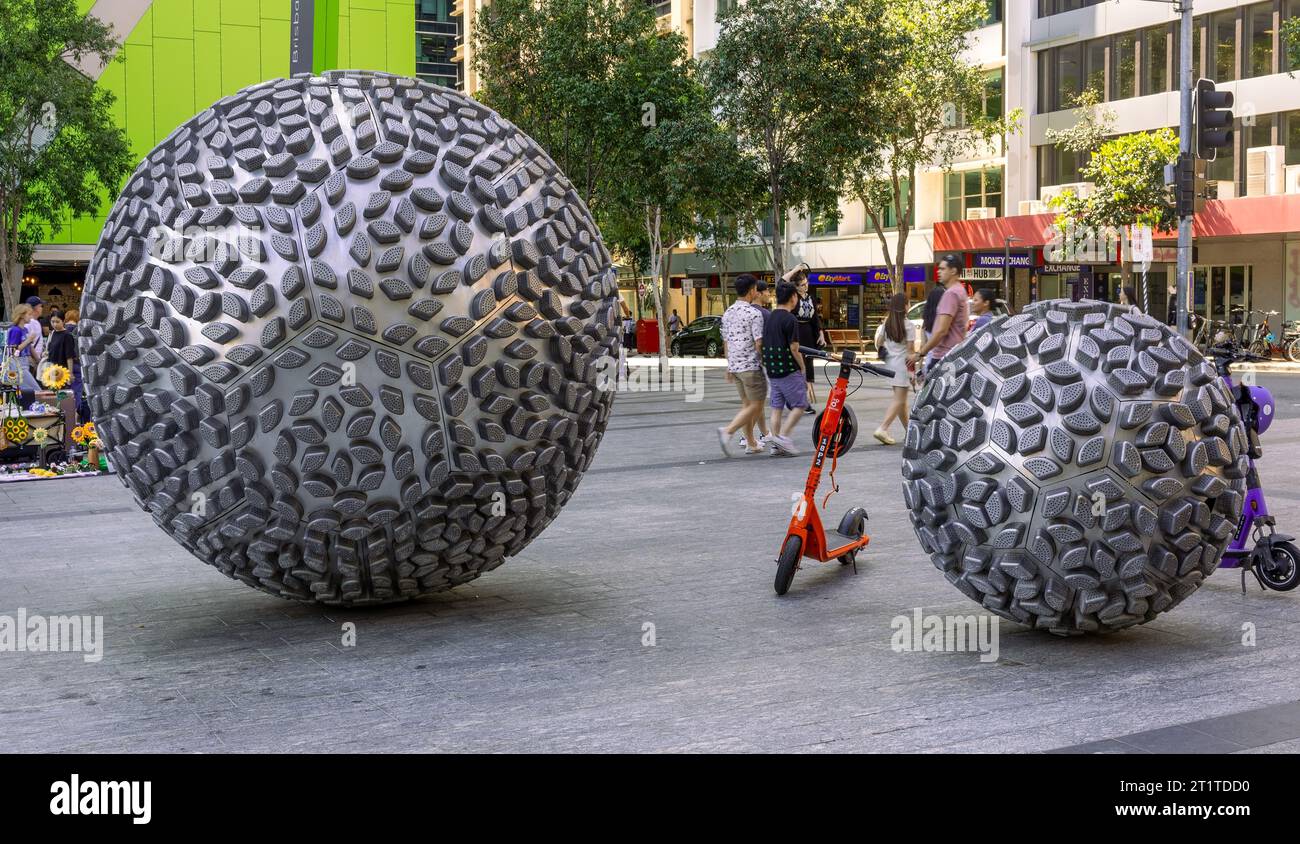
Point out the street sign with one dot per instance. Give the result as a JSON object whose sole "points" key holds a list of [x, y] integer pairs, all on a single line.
{"points": [[1141, 249]]}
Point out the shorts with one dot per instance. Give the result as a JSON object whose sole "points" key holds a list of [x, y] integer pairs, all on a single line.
{"points": [[751, 385], [789, 391]]}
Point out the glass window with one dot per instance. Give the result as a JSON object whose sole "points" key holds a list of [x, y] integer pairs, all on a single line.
{"points": [[1069, 75], [1261, 133], [1123, 66], [1291, 137], [1223, 46], [972, 189], [824, 224], [993, 87], [889, 219], [1290, 11], [1044, 81], [1155, 60], [1222, 168], [1258, 60], [1094, 66], [994, 13]]}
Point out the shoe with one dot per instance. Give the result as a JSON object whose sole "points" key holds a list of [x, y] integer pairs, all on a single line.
{"points": [[884, 437], [724, 440], [809, 410], [784, 446], [743, 442], [753, 450]]}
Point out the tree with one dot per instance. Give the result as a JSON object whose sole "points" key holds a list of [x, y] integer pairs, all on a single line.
{"points": [[780, 78], [1129, 188], [1093, 124], [619, 106], [60, 151], [931, 109], [685, 169], [558, 69]]}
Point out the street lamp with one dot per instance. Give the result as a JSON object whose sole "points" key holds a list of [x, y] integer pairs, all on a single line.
{"points": [[1006, 267]]}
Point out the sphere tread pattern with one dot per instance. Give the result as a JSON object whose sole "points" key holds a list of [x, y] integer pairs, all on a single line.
{"points": [[342, 336], [1077, 467]]}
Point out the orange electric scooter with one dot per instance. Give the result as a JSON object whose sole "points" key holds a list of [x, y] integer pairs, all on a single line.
{"points": [[806, 537]]}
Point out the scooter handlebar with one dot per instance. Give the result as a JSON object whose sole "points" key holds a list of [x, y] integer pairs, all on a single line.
{"points": [[861, 365]]}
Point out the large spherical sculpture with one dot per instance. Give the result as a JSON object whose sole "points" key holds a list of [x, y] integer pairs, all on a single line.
{"points": [[341, 337], [1077, 467]]}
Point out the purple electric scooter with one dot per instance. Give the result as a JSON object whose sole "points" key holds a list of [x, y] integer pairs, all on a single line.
{"points": [[1273, 560]]}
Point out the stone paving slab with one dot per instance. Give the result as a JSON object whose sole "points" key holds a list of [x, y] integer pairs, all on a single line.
{"points": [[546, 653]]}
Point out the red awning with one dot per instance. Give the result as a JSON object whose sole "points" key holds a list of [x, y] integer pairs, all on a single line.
{"points": [[1247, 216], [986, 235]]}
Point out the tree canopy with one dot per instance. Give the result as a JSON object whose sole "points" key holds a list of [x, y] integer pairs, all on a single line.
{"points": [[60, 150]]}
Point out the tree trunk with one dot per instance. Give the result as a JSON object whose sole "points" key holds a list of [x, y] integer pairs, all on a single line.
{"points": [[664, 350], [12, 286]]}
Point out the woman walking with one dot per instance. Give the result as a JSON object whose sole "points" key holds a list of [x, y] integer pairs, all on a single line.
{"points": [[809, 325], [1128, 297], [896, 338]]}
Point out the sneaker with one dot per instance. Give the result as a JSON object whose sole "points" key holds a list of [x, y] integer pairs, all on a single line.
{"points": [[884, 437], [749, 450], [784, 446], [724, 440]]}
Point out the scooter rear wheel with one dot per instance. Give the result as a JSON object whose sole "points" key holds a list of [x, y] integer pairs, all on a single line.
{"points": [[791, 553], [1285, 572]]}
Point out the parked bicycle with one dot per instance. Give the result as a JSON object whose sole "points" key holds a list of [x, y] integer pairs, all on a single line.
{"points": [[1253, 335], [1291, 340]]}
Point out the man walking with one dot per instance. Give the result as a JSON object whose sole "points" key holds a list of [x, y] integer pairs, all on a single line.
{"points": [[951, 316], [785, 369], [674, 322], [742, 339]]}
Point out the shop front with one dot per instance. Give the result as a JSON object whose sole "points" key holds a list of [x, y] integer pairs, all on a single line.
{"points": [[853, 302]]}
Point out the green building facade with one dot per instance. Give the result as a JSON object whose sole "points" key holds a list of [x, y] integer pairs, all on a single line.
{"points": [[181, 56]]}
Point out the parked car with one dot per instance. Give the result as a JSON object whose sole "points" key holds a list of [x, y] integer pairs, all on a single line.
{"points": [[915, 313], [702, 337]]}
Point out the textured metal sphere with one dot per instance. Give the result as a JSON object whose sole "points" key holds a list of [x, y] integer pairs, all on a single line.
{"points": [[341, 337], [1078, 467]]}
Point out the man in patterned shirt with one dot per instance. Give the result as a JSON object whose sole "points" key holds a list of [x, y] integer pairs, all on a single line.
{"points": [[742, 338]]}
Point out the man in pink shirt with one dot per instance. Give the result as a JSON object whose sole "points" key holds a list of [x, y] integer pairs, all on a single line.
{"points": [[953, 315]]}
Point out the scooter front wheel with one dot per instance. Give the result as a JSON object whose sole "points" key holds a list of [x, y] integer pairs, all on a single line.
{"points": [[1282, 572], [791, 553]]}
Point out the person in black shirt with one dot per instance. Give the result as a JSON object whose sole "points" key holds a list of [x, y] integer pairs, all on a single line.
{"points": [[62, 346], [787, 389]]}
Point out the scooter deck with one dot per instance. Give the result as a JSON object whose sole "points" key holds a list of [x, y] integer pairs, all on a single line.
{"points": [[846, 544]]}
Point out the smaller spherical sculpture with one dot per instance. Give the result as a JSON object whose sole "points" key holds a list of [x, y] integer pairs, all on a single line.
{"points": [[1077, 467], [342, 337]]}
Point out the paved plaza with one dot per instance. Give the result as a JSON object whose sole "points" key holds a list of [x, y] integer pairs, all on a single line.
{"points": [[642, 619]]}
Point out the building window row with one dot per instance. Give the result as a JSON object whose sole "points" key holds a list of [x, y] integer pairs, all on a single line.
{"points": [[1238, 43], [1056, 7], [1059, 167]]}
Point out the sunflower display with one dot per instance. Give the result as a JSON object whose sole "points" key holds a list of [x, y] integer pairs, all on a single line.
{"points": [[40, 435], [56, 377], [16, 429]]}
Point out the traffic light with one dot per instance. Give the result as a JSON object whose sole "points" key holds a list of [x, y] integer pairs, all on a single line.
{"points": [[1187, 179], [1213, 119]]}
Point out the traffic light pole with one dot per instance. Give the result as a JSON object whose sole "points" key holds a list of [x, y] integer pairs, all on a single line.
{"points": [[1184, 283]]}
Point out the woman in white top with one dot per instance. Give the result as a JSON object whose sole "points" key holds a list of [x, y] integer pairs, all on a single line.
{"points": [[895, 337]]}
